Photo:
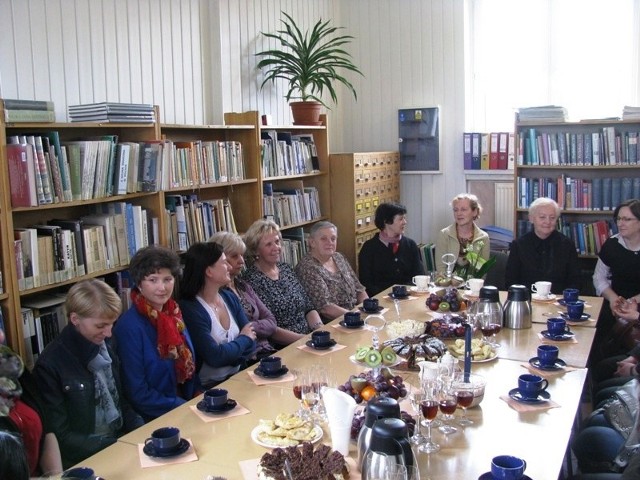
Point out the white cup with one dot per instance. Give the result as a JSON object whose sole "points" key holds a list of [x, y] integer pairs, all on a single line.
{"points": [[542, 289], [474, 285], [421, 282]]}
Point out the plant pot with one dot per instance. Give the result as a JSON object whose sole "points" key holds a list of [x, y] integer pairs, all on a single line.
{"points": [[306, 113]]}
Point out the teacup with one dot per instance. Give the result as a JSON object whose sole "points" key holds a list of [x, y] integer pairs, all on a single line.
{"points": [[543, 289], [507, 467], [320, 338], [474, 285], [421, 282], [271, 364], [557, 326], [216, 397], [399, 290], [570, 294], [531, 385], [370, 304], [164, 439], [548, 354], [352, 318], [79, 473], [575, 310]]}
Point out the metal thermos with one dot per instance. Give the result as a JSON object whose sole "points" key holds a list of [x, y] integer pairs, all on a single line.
{"points": [[517, 308], [389, 442], [377, 408], [489, 304]]}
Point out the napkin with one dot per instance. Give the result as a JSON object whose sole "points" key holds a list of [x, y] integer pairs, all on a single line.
{"points": [[287, 377], [544, 339], [340, 408], [335, 348], [528, 407], [186, 457], [208, 417]]}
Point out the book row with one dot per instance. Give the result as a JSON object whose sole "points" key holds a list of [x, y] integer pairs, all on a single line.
{"points": [[427, 254], [602, 146], [43, 317], [291, 206], [24, 111], [489, 151], [285, 154], [579, 194], [44, 170]]}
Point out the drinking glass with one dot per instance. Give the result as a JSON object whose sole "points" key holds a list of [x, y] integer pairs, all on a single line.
{"points": [[375, 323], [464, 392], [299, 385], [489, 327], [417, 396], [429, 409], [311, 392], [448, 403]]}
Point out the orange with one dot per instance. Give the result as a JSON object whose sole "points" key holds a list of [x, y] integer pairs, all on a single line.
{"points": [[368, 393]]}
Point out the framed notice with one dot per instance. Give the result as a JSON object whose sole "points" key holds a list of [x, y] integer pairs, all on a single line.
{"points": [[419, 139]]}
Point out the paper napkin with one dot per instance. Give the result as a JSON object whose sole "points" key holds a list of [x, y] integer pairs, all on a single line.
{"points": [[528, 407], [544, 339], [548, 373]]}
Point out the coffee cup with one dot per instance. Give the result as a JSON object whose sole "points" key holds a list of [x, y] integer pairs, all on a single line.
{"points": [[352, 318], [421, 282], [271, 364], [570, 294], [547, 355], [320, 338], [474, 285], [507, 467], [531, 385], [216, 397], [557, 326], [79, 473], [399, 290], [164, 439], [370, 304], [542, 289], [575, 310]]}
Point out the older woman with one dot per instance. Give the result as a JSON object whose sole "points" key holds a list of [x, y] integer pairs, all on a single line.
{"points": [[326, 275], [78, 376], [223, 338], [543, 253], [389, 257], [275, 281], [158, 366], [463, 235], [262, 319]]}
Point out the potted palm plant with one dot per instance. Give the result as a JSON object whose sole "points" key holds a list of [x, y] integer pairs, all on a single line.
{"points": [[310, 63]]}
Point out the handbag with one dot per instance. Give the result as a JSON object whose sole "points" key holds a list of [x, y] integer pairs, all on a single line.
{"points": [[622, 412]]}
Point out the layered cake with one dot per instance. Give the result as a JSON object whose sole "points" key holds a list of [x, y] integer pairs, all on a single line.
{"points": [[305, 462]]}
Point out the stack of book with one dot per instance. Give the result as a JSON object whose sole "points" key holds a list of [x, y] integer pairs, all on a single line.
{"points": [[112, 112], [630, 113], [27, 111], [547, 113]]}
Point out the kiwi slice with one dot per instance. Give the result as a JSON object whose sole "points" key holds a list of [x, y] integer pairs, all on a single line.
{"points": [[373, 358], [361, 354], [389, 357]]}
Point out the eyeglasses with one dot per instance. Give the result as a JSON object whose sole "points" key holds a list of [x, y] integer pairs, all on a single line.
{"points": [[625, 219]]}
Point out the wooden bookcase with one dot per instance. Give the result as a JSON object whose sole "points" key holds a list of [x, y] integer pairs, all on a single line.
{"points": [[359, 183], [556, 159]]}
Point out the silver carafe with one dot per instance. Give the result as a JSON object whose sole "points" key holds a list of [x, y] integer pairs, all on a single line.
{"points": [[389, 442], [377, 408], [489, 304], [517, 308]]}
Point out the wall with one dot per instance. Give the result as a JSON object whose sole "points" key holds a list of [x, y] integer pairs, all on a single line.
{"points": [[195, 58]]}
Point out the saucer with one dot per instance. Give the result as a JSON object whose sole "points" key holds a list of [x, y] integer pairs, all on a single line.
{"points": [[393, 296], [558, 338], [417, 291], [258, 371], [470, 294], [230, 405], [489, 476], [585, 316], [182, 447], [377, 310], [538, 298], [518, 397], [332, 343], [558, 365], [360, 324], [563, 302]]}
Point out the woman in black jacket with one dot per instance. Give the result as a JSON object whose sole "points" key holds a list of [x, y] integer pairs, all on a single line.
{"points": [[78, 376]]}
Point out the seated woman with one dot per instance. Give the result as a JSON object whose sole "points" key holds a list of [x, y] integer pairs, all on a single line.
{"points": [[389, 257], [78, 376], [223, 338], [263, 321], [21, 413], [156, 353], [327, 276], [275, 281], [463, 235], [543, 253]]}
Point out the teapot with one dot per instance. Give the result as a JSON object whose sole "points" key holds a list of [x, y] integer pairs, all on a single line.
{"points": [[377, 408], [389, 442], [517, 308]]}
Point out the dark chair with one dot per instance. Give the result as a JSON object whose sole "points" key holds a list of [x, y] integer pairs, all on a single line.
{"points": [[495, 276]]}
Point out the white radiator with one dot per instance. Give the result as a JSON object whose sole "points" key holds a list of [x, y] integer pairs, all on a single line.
{"points": [[504, 207]]}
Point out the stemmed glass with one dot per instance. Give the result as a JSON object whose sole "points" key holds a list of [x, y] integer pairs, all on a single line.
{"points": [[375, 323], [429, 408], [464, 393], [311, 392], [299, 385], [417, 396], [449, 259], [448, 402], [489, 327]]}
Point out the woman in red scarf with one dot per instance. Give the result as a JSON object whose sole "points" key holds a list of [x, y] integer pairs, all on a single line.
{"points": [[155, 350]]}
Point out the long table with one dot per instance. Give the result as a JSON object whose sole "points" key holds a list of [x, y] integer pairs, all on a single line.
{"points": [[541, 437]]}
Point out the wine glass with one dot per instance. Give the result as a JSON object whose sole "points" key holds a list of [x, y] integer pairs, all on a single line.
{"points": [[416, 397], [449, 259], [489, 327], [379, 466], [311, 393], [375, 323], [464, 393], [429, 409], [299, 384], [448, 402]]}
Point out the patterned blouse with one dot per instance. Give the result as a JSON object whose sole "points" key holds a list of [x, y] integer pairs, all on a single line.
{"points": [[325, 287], [285, 297]]}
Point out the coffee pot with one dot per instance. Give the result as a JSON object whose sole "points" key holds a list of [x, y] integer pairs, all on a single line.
{"points": [[377, 408], [389, 443], [489, 304], [517, 308]]}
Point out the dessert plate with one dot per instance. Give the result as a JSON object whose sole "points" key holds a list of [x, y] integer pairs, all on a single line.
{"points": [[558, 338], [583, 317], [418, 291], [549, 298], [518, 397], [558, 365], [203, 407], [182, 447], [360, 324], [258, 371], [331, 344]]}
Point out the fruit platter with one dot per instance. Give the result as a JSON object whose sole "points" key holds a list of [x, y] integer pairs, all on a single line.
{"points": [[375, 357], [446, 300], [366, 385], [443, 280]]}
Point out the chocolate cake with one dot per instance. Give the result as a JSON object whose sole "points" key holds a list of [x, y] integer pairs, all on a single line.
{"points": [[305, 462]]}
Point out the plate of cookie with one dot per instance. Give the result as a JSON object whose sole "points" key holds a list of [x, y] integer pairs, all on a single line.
{"points": [[286, 430]]}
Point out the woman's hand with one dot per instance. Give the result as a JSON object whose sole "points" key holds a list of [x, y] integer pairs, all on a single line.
{"points": [[313, 319], [627, 309], [626, 367], [248, 331]]}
